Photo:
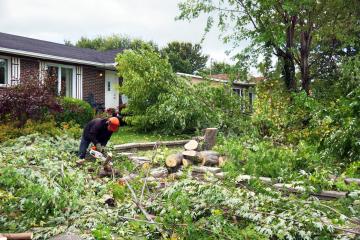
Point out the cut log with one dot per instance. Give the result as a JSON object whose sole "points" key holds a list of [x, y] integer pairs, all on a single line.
{"points": [[352, 180], [330, 194], [346, 179], [17, 236], [191, 155], [67, 236], [191, 145], [325, 195], [3, 238], [204, 169], [174, 160], [246, 178], [159, 172], [209, 158], [176, 175], [128, 178], [138, 161], [149, 145], [187, 162], [126, 154], [221, 161], [105, 173], [210, 138]]}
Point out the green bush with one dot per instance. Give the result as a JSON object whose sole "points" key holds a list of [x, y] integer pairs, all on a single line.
{"points": [[160, 101], [74, 110], [48, 128], [9, 131]]}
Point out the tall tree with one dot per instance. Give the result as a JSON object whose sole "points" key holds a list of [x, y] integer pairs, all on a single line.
{"points": [[185, 57], [291, 28], [112, 42]]}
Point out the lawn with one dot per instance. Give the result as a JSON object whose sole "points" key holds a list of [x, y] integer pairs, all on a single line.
{"points": [[127, 134]]}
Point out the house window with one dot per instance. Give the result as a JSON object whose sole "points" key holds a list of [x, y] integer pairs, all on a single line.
{"points": [[4, 72], [67, 81], [62, 79], [109, 86]]}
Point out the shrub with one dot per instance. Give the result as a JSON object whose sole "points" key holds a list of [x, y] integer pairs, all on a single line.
{"points": [[9, 131], [161, 101], [48, 128], [74, 110], [29, 100]]}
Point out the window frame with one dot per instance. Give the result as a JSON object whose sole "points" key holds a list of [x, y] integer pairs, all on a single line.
{"points": [[8, 80], [59, 66]]}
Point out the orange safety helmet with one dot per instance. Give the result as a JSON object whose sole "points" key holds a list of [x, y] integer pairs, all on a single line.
{"points": [[113, 124]]}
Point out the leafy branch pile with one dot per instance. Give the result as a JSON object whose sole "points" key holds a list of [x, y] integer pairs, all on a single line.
{"points": [[41, 190]]}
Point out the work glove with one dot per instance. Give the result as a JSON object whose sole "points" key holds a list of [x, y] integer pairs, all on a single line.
{"points": [[99, 148]]}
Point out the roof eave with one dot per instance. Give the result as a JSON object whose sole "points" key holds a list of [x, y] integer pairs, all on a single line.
{"points": [[57, 58]]}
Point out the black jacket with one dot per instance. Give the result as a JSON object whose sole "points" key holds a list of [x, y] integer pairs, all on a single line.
{"points": [[96, 131]]}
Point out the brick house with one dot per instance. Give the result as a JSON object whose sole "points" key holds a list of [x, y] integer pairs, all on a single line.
{"points": [[80, 73]]}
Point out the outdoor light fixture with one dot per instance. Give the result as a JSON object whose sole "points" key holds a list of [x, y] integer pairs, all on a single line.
{"points": [[100, 74]]}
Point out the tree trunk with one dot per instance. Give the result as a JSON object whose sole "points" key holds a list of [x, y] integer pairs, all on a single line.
{"points": [[159, 172], [191, 155], [15, 236], [305, 42], [187, 162], [209, 158], [287, 54], [210, 138], [204, 169], [289, 72], [174, 160]]}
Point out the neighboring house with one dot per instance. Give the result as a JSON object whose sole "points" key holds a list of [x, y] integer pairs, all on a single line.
{"points": [[243, 89], [81, 73]]}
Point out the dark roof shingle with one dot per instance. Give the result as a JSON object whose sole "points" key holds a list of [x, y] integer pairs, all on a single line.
{"points": [[56, 49]]}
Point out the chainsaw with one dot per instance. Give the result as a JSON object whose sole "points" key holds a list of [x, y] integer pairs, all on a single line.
{"points": [[105, 158]]}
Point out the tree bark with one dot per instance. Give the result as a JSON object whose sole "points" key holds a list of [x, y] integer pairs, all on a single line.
{"points": [[204, 169], [209, 158], [210, 138], [287, 55], [187, 162], [159, 172], [16, 236], [305, 42], [191, 155]]}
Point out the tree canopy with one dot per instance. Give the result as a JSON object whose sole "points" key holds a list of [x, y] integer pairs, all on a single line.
{"points": [[291, 29], [185, 57], [112, 42]]}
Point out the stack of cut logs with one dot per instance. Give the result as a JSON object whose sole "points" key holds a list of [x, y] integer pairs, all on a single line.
{"points": [[196, 153], [192, 156]]}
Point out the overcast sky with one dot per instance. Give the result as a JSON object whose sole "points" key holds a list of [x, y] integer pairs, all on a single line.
{"points": [[57, 20]]}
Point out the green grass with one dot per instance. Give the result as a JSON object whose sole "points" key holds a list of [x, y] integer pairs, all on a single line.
{"points": [[127, 135]]}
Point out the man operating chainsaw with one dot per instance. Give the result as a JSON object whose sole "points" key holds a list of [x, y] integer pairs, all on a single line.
{"points": [[98, 131]]}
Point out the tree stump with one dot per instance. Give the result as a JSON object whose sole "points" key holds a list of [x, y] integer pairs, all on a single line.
{"points": [[210, 138]]}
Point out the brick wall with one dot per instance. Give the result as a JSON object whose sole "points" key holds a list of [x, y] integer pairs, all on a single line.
{"points": [[29, 68], [94, 83]]}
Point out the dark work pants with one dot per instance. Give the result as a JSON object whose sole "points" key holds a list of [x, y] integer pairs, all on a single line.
{"points": [[84, 144]]}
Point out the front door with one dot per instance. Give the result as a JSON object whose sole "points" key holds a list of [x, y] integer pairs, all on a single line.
{"points": [[111, 91]]}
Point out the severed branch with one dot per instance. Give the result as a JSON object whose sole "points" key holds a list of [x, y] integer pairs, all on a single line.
{"points": [[148, 171], [138, 204]]}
